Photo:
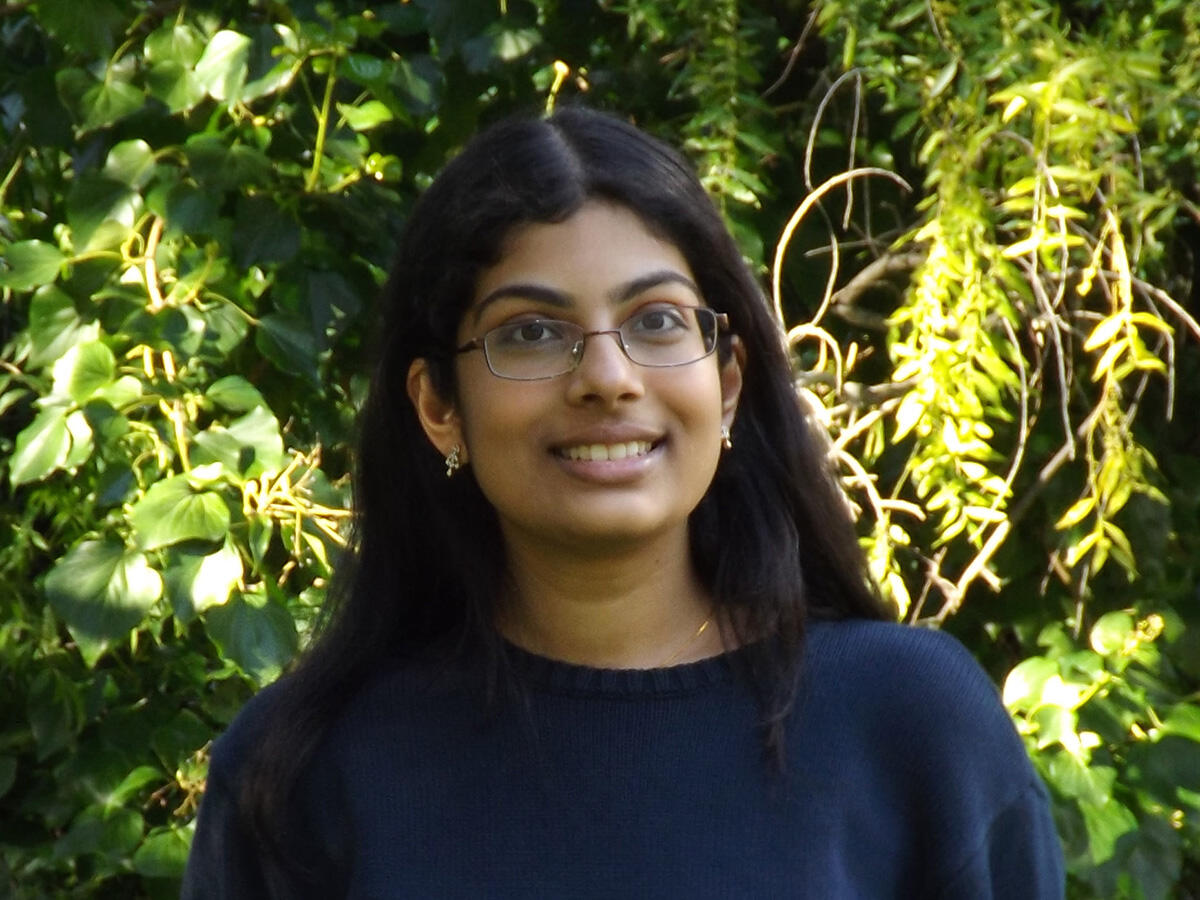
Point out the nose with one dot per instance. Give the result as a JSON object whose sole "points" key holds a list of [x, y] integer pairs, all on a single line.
{"points": [[604, 374]]}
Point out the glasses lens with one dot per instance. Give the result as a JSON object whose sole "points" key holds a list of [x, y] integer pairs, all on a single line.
{"points": [[668, 335], [538, 348]]}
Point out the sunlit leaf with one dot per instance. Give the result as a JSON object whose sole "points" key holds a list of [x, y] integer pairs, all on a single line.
{"points": [[1111, 632], [55, 325], [1023, 686], [195, 581], [1077, 513], [1105, 825], [102, 591], [41, 447], [222, 68], [83, 370], [365, 116], [171, 511], [250, 446], [30, 264]]}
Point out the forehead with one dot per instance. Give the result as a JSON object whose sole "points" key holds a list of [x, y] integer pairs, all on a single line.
{"points": [[600, 246]]}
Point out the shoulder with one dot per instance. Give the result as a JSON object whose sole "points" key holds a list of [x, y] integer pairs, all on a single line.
{"points": [[917, 692], [889, 661], [248, 728], [916, 725]]}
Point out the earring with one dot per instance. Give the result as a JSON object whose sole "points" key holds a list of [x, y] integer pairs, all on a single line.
{"points": [[453, 461], [726, 438]]}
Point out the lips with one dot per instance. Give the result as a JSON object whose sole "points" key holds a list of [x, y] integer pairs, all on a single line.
{"points": [[605, 452]]}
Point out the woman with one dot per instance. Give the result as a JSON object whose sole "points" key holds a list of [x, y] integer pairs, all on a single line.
{"points": [[607, 630]]}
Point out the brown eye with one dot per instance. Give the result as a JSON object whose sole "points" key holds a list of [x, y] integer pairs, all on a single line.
{"points": [[536, 333]]}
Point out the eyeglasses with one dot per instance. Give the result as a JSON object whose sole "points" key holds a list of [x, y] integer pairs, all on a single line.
{"points": [[659, 336]]}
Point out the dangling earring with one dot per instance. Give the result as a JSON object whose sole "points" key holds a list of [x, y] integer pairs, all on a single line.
{"points": [[726, 438], [453, 461]]}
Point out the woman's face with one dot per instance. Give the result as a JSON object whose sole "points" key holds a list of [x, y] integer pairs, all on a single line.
{"points": [[612, 452]]}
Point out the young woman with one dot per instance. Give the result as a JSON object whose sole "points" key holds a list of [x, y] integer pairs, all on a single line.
{"points": [[607, 631]]}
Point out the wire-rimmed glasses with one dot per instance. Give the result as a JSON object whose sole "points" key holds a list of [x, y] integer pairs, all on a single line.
{"points": [[659, 336]]}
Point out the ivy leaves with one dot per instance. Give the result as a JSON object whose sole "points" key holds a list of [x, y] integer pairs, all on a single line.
{"points": [[102, 592]]}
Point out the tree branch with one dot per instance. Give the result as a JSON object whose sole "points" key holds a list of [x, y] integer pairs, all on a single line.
{"points": [[878, 270]]}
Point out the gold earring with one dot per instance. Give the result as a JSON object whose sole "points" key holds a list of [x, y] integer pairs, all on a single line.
{"points": [[453, 461], [726, 438]]}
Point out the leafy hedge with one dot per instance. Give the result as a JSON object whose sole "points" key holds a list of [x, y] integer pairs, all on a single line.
{"points": [[197, 202]]}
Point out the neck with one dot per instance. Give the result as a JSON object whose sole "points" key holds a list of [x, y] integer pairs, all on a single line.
{"points": [[643, 607]]}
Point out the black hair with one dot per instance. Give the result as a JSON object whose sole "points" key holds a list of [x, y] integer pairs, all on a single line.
{"points": [[773, 538]]}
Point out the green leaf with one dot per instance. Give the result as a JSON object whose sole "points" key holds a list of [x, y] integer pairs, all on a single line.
{"points": [[131, 784], [175, 84], [163, 854], [1023, 686], [943, 79], [1077, 513], [221, 69], [1073, 778], [1111, 632], [179, 738], [365, 116], [85, 369], [122, 392], [196, 581], [171, 511], [90, 34], [289, 344], [1184, 721], [112, 833], [190, 210], [174, 42], [41, 448], [262, 232], [234, 393], [131, 163], [1105, 824], [110, 100], [55, 326], [94, 201], [249, 447], [102, 591], [55, 713], [1055, 725], [255, 633], [30, 264], [81, 440]]}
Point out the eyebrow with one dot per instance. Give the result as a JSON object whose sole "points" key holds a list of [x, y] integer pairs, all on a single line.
{"points": [[552, 297]]}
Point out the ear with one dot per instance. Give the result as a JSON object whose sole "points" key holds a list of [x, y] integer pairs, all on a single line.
{"points": [[731, 381], [438, 416]]}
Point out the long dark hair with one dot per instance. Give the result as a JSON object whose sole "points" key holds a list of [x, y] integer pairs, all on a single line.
{"points": [[772, 539]]}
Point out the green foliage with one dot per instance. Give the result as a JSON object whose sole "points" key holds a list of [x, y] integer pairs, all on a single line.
{"points": [[1020, 442], [198, 202]]}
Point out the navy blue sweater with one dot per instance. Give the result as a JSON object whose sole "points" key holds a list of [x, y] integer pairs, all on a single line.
{"points": [[904, 778]]}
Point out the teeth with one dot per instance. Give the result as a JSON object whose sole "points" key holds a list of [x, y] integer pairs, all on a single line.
{"points": [[604, 452]]}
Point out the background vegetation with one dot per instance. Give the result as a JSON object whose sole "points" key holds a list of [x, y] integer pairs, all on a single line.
{"points": [[979, 219]]}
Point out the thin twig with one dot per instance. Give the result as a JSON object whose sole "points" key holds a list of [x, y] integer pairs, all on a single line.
{"points": [[793, 56], [802, 211]]}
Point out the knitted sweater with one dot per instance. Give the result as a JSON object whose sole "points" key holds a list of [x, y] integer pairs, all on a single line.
{"points": [[904, 778]]}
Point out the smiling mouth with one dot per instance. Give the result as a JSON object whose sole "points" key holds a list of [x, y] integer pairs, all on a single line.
{"points": [[605, 452]]}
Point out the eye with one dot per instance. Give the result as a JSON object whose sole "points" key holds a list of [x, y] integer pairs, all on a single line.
{"points": [[528, 334], [658, 321]]}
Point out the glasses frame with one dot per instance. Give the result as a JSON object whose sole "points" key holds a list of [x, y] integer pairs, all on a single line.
{"points": [[720, 323]]}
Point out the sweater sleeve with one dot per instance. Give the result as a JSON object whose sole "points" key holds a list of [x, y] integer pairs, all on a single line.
{"points": [[222, 864], [1020, 856]]}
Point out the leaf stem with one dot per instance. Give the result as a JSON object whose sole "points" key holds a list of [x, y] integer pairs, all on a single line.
{"points": [[310, 183]]}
